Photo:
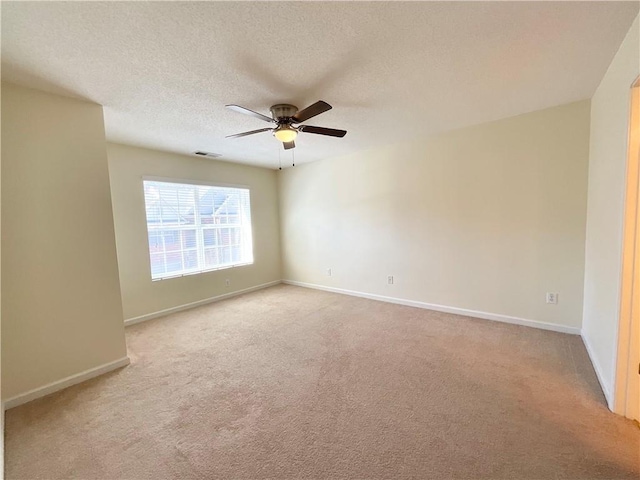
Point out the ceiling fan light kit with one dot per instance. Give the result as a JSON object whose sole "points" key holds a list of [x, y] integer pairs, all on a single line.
{"points": [[285, 133], [284, 116]]}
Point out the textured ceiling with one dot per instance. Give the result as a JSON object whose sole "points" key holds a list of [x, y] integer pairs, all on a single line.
{"points": [[164, 70]]}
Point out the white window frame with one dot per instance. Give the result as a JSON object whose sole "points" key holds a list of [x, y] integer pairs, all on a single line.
{"points": [[199, 230]]}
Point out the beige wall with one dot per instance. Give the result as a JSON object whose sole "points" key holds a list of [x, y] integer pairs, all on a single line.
{"points": [[61, 307], [607, 168], [141, 296], [487, 218]]}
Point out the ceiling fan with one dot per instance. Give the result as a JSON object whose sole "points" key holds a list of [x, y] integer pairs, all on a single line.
{"points": [[285, 116]]}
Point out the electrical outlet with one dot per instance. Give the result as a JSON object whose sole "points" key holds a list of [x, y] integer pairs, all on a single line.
{"points": [[328, 272], [552, 298], [227, 282], [390, 279]]}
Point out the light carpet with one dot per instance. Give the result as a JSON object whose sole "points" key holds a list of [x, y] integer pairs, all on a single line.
{"points": [[291, 383]]}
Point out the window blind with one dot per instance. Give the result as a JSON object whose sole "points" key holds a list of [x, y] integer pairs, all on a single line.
{"points": [[196, 228]]}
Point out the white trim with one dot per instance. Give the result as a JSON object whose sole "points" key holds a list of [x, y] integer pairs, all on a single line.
{"points": [[598, 370], [188, 273], [186, 181], [443, 308], [149, 316], [2, 443], [65, 382]]}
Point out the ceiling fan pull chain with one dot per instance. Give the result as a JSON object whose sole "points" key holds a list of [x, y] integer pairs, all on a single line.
{"points": [[293, 156], [279, 159]]}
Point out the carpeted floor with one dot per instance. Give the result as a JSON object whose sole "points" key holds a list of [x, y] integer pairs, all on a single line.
{"points": [[295, 383]]}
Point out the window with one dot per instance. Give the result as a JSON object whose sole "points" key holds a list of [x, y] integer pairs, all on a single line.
{"points": [[196, 228]]}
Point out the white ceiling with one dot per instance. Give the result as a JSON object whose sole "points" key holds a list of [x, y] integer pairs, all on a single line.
{"points": [[164, 70]]}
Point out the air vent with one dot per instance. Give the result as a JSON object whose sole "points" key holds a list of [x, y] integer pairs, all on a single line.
{"points": [[200, 153]]}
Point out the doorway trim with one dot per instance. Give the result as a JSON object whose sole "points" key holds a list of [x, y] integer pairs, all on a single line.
{"points": [[627, 379]]}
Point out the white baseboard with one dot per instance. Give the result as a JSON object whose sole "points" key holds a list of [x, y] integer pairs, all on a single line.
{"points": [[179, 308], [443, 308], [2, 443], [598, 370], [65, 382]]}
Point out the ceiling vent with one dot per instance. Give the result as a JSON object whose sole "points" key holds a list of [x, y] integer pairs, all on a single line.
{"points": [[200, 153]]}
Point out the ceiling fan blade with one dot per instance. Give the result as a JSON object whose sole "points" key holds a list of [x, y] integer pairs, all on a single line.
{"points": [[311, 111], [332, 132], [244, 134], [246, 111], [289, 145]]}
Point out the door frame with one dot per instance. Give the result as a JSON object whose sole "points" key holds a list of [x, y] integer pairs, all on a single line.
{"points": [[627, 378]]}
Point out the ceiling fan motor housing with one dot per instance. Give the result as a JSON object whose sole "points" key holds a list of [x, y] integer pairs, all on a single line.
{"points": [[283, 112]]}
